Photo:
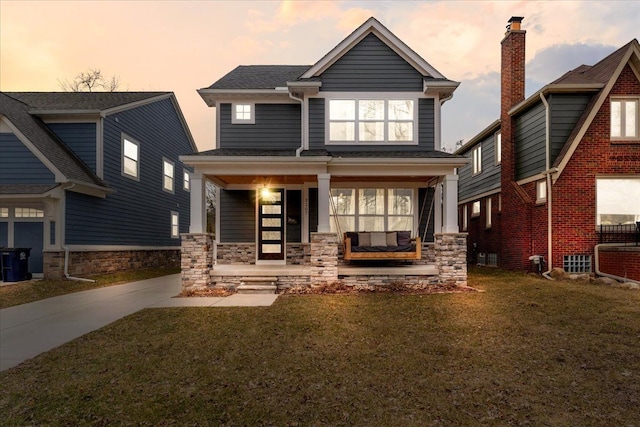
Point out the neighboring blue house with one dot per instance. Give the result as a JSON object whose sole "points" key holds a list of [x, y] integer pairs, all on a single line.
{"points": [[305, 153], [93, 180]]}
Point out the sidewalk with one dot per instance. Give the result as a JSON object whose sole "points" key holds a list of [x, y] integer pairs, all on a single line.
{"points": [[30, 329]]}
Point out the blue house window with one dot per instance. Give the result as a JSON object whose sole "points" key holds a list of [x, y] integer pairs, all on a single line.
{"points": [[175, 228], [168, 173], [372, 121], [130, 158], [243, 114], [187, 181]]}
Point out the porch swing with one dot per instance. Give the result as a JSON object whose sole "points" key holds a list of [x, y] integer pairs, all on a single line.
{"points": [[382, 245]]}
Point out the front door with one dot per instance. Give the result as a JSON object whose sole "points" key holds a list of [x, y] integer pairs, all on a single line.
{"points": [[271, 225]]}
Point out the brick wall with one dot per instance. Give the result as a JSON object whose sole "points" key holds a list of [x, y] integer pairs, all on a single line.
{"points": [[480, 238], [620, 261]]}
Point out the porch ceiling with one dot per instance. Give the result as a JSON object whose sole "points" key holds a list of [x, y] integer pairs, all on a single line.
{"points": [[275, 180]]}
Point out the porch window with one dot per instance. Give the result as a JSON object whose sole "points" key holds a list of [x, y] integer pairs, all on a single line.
{"points": [[624, 118], [617, 200], [4, 212], [372, 209], [372, 121], [29, 213]]}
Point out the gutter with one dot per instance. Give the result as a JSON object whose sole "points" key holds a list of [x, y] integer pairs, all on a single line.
{"points": [[548, 173], [302, 127], [597, 263]]}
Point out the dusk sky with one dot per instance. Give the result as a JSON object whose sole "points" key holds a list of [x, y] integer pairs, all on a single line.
{"points": [[182, 46]]}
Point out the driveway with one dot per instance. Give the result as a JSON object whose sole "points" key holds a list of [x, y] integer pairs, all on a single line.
{"points": [[30, 329]]}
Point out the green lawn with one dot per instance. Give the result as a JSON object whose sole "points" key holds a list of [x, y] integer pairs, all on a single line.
{"points": [[525, 351], [34, 290]]}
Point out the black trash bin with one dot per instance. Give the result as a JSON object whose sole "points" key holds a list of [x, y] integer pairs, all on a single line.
{"points": [[15, 264]]}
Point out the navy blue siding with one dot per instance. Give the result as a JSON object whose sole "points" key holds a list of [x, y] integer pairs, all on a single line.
{"points": [[371, 66], [52, 233], [139, 212], [566, 110], [18, 165], [530, 142], [80, 138], [426, 130], [487, 180], [277, 126], [237, 216]]}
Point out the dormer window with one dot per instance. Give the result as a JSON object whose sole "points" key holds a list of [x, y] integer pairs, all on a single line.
{"points": [[243, 114], [372, 120]]}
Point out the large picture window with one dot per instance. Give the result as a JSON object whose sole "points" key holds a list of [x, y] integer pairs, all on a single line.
{"points": [[372, 120], [617, 200], [372, 209]]}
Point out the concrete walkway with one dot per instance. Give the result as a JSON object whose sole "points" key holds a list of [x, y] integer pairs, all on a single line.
{"points": [[30, 329]]}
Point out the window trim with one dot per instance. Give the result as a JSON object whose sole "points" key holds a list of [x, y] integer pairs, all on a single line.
{"points": [[124, 137], [624, 100], [239, 121], [497, 144], [175, 215], [173, 178], [372, 96], [476, 160]]}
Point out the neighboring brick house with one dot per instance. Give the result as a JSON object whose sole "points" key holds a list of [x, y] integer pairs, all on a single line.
{"points": [[350, 143], [568, 155], [92, 182]]}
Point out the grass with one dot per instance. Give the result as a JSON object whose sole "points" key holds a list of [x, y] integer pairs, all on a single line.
{"points": [[34, 290], [525, 351]]}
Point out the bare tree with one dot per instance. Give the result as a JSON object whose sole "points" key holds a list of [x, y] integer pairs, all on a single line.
{"points": [[91, 80]]}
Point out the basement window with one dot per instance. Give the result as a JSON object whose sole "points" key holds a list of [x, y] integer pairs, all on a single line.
{"points": [[492, 259], [577, 263]]}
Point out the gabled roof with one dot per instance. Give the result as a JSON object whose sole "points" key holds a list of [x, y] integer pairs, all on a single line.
{"points": [[489, 130], [53, 153], [607, 72], [372, 25]]}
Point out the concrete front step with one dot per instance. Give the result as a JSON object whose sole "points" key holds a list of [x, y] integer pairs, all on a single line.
{"points": [[256, 289]]}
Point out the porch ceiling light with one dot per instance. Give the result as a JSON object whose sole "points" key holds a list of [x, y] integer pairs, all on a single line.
{"points": [[265, 193]]}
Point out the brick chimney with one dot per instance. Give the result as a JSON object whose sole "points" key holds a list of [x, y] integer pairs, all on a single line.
{"points": [[516, 214]]}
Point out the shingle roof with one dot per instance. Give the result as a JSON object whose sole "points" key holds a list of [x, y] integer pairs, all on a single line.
{"points": [[75, 101], [46, 142], [260, 76], [26, 188]]}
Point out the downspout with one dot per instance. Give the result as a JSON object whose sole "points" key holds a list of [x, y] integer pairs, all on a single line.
{"points": [[302, 123], [66, 251], [597, 263], [548, 173]]}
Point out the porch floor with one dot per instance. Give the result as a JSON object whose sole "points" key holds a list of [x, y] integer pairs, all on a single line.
{"points": [[220, 270]]}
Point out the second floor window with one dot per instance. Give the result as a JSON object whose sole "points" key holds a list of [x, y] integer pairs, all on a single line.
{"points": [[476, 156], [498, 147], [243, 114], [624, 118], [372, 121], [130, 156], [167, 172]]}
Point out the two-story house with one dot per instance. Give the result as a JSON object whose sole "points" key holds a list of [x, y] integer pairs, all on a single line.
{"points": [[306, 153], [556, 167], [92, 182]]}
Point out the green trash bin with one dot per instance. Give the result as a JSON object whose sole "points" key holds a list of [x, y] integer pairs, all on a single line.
{"points": [[15, 264]]}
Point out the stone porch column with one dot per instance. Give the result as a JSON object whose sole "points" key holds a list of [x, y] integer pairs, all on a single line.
{"points": [[196, 260], [451, 258], [324, 188], [324, 258]]}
